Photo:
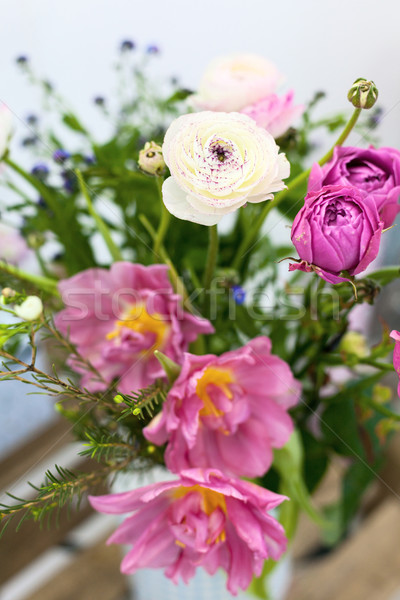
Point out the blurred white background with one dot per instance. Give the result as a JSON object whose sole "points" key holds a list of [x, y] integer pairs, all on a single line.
{"points": [[316, 45]]}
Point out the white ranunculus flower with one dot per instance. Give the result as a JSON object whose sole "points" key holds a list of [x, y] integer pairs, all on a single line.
{"points": [[5, 128], [218, 162], [30, 309], [232, 82]]}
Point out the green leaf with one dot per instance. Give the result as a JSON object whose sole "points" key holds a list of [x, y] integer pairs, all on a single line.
{"points": [[71, 121], [340, 428], [178, 96], [355, 482], [385, 275], [316, 460]]}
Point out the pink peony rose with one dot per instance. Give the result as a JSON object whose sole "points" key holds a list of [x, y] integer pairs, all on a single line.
{"points": [[203, 520], [396, 354], [227, 412], [338, 229], [273, 113], [373, 171], [232, 82], [118, 317]]}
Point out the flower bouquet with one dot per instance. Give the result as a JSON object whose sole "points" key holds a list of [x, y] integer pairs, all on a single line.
{"points": [[180, 336]]}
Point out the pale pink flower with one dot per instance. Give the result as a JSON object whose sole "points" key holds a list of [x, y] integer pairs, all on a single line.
{"points": [[227, 412], [13, 248], [232, 82], [274, 113], [203, 520], [117, 318]]}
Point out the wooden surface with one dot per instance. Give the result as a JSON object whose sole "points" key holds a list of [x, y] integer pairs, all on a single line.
{"points": [[365, 567], [94, 575], [18, 549], [46, 441]]}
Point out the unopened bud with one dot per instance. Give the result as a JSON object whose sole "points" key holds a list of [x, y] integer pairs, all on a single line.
{"points": [[381, 394], [363, 93], [30, 309], [354, 343], [8, 292], [151, 159], [35, 240]]}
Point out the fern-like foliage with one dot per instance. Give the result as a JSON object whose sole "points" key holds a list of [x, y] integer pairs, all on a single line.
{"points": [[144, 401], [108, 447], [62, 488]]}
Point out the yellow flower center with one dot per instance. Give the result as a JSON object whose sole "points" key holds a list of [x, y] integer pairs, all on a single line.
{"points": [[210, 501], [139, 320], [220, 378]]}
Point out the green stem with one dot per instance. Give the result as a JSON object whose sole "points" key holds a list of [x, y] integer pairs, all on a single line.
{"points": [[211, 257], [43, 283], [377, 364], [251, 236], [59, 226], [164, 222], [380, 409], [41, 262], [105, 232], [36, 183], [177, 282]]}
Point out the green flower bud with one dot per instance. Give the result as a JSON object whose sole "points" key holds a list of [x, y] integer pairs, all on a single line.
{"points": [[363, 93], [36, 240], [354, 343], [381, 394], [151, 159]]}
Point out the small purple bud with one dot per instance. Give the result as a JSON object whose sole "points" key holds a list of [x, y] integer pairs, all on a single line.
{"points": [[127, 46], [99, 100], [42, 202], [40, 171], [239, 295], [70, 183], [21, 60], [152, 49], [32, 119], [61, 155], [89, 160], [29, 141]]}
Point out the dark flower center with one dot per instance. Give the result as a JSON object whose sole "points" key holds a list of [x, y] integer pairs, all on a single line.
{"points": [[221, 151], [364, 172], [332, 212]]}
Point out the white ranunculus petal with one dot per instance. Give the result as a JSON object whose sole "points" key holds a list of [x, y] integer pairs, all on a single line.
{"points": [[219, 161], [175, 200]]}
